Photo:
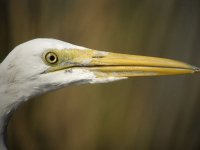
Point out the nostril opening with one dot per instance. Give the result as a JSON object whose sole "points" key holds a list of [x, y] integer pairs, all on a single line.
{"points": [[98, 56]]}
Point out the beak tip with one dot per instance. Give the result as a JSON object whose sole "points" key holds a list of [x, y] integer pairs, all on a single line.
{"points": [[196, 69]]}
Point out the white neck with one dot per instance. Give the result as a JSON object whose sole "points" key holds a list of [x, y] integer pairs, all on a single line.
{"points": [[8, 102]]}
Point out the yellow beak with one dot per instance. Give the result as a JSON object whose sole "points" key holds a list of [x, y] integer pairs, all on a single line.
{"points": [[105, 64], [121, 65]]}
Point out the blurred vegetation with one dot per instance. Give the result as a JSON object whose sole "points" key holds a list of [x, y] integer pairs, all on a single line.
{"points": [[150, 113]]}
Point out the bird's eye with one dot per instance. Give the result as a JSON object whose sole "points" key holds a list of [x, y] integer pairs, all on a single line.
{"points": [[51, 58]]}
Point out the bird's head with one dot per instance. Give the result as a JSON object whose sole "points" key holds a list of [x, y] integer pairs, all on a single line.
{"points": [[52, 64]]}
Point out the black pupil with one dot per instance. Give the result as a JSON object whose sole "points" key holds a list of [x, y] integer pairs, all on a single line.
{"points": [[52, 58]]}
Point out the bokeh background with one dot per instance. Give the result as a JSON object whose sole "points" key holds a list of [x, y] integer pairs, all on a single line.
{"points": [[146, 113]]}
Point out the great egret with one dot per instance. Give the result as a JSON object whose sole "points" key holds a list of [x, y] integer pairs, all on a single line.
{"points": [[42, 65]]}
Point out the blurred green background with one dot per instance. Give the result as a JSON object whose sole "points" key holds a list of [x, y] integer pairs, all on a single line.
{"points": [[146, 113]]}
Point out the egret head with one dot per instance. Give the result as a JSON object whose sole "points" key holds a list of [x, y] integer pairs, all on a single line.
{"points": [[41, 65]]}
